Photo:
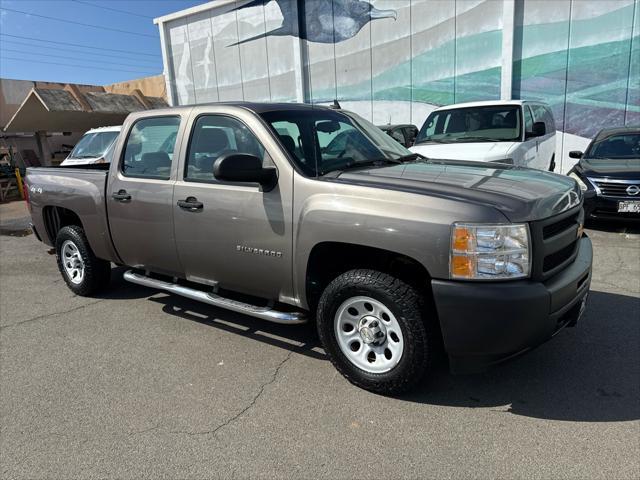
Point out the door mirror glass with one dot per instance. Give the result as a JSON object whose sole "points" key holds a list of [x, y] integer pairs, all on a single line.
{"points": [[575, 154], [243, 167]]}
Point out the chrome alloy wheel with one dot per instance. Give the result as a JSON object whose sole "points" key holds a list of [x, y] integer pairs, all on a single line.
{"points": [[72, 262], [368, 334]]}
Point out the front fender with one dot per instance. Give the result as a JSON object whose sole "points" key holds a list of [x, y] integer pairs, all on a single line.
{"points": [[414, 225]]}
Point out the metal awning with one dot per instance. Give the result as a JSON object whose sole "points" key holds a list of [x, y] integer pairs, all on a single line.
{"points": [[68, 110]]}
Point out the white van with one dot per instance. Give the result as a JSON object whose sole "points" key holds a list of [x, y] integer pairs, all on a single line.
{"points": [[95, 146], [518, 132]]}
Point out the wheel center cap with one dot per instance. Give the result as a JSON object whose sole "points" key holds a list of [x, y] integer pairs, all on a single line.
{"points": [[371, 330]]}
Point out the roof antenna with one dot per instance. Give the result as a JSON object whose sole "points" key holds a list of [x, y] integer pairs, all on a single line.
{"points": [[335, 105]]}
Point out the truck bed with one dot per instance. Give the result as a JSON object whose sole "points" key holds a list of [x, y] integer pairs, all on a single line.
{"points": [[80, 189]]}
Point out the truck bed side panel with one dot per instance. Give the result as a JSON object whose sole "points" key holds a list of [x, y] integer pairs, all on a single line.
{"points": [[78, 190]]}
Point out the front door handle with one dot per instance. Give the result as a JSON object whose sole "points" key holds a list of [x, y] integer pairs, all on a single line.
{"points": [[191, 204], [121, 196]]}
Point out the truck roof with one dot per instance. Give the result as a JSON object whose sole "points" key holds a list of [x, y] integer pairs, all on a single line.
{"points": [[486, 103], [257, 107]]}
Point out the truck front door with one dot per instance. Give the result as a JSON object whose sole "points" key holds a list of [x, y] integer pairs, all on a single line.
{"points": [[139, 196], [232, 234]]}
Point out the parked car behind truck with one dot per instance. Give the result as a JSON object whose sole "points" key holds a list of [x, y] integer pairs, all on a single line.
{"points": [[516, 132], [313, 213], [404, 134], [95, 146], [608, 173]]}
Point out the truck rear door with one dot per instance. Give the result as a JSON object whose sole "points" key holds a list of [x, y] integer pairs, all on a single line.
{"points": [[232, 234], [139, 194]]}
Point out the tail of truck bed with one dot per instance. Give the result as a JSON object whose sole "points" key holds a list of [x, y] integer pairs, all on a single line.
{"points": [[60, 196]]}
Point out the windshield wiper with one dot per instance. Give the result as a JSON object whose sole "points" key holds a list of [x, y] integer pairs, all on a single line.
{"points": [[411, 157], [378, 162], [482, 139], [425, 140]]}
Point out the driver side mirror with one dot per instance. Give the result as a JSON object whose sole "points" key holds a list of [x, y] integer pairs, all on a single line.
{"points": [[575, 154], [538, 130], [242, 167]]}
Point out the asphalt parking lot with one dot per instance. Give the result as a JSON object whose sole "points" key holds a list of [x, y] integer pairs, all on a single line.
{"points": [[141, 384]]}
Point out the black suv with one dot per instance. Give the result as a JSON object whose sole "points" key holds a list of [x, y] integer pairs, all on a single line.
{"points": [[609, 173]]}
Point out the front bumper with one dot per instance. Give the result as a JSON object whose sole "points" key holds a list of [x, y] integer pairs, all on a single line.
{"points": [[487, 323], [599, 207]]}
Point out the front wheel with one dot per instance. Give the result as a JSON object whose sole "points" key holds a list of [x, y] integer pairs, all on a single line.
{"points": [[84, 273], [372, 327]]}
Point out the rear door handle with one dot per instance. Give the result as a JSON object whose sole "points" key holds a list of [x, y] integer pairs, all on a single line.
{"points": [[121, 196], [191, 204]]}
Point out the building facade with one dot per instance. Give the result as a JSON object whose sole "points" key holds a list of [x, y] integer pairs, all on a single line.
{"points": [[393, 61]]}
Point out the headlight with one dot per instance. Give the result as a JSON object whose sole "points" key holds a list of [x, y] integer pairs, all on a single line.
{"points": [[581, 184], [489, 252]]}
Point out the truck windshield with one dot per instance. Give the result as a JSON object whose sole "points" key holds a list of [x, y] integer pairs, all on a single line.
{"points": [[492, 123], [616, 147], [321, 141], [93, 145]]}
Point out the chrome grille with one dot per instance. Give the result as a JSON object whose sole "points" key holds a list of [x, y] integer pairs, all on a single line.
{"points": [[616, 188]]}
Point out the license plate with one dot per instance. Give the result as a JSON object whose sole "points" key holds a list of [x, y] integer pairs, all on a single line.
{"points": [[629, 207]]}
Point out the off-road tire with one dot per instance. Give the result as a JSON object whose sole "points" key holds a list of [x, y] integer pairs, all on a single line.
{"points": [[97, 272], [406, 304]]}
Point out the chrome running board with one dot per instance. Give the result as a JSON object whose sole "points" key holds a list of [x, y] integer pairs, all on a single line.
{"points": [[264, 313]]}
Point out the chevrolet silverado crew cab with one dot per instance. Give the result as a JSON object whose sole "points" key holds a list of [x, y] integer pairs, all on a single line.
{"points": [[291, 213]]}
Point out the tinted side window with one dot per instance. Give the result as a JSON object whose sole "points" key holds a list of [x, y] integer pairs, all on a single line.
{"points": [[149, 148], [541, 114], [397, 135], [552, 121], [290, 136], [214, 136], [528, 119], [410, 133]]}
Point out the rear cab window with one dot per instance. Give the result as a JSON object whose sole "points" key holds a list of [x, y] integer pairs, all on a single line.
{"points": [[150, 147]]}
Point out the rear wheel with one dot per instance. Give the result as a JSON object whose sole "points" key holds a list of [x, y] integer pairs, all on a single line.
{"points": [[371, 326], [83, 272]]}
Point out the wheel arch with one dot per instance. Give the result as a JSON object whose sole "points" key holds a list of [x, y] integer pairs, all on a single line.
{"points": [[329, 259], [55, 218]]}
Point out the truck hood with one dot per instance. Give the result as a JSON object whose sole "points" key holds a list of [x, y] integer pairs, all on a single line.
{"points": [[521, 194], [480, 151]]}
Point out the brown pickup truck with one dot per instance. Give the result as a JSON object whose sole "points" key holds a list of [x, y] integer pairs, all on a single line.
{"points": [[293, 212]]}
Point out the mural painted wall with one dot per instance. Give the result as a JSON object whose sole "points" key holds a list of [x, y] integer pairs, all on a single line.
{"points": [[583, 58], [393, 61]]}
